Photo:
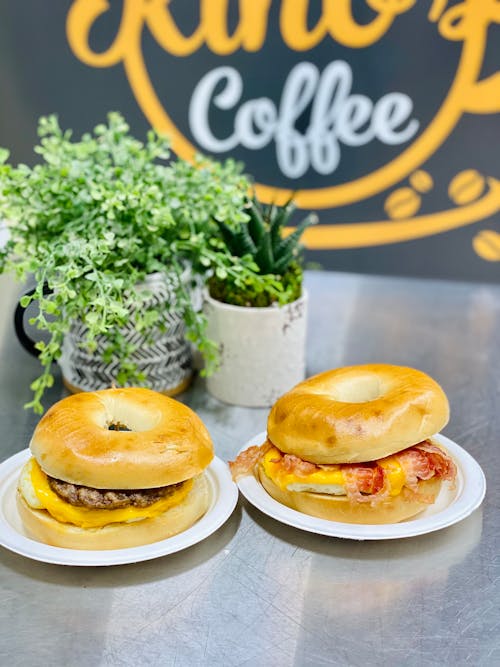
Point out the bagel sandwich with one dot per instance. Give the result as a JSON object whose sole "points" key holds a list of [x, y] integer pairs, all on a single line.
{"points": [[114, 469], [355, 445]]}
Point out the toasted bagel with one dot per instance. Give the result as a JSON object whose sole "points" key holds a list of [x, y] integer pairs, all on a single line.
{"points": [[358, 414]]}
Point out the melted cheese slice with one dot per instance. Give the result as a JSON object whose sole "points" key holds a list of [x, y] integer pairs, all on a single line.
{"points": [[85, 517], [326, 480], [394, 473]]}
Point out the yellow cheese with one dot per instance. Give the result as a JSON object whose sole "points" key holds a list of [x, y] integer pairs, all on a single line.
{"points": [[332, 476], [85, 517], [273, 470], [395, 474]]}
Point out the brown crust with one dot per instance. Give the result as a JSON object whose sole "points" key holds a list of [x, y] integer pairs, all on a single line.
{"points": [[168, 442], [357, 414], [41, 526], [339, 508]]}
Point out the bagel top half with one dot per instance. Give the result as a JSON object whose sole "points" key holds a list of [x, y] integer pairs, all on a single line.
{"points": [[357, 414], [164, 443]]}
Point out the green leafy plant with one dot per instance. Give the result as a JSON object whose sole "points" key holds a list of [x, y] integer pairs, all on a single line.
{"points": [[262, 239], [97, 216]]}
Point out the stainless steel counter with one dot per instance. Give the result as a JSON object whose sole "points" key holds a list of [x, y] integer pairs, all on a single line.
{"points": [[258, 592]]}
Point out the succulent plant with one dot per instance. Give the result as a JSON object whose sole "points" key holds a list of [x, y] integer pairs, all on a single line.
{"points": [[273, 253], [262, 236]]}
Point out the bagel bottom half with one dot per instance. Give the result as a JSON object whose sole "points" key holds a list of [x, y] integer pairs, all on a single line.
{"points": [[40, 525], [339, 508]]}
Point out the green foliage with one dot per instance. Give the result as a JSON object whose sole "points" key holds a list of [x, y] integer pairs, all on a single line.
{"points": [[250, 293], [98, 215], [261, 239]]}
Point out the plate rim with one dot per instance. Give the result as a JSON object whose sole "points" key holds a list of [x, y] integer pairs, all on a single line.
{"points": [[222, 506], [468, 498]]}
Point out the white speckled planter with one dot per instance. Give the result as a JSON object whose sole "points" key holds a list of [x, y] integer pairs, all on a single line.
{"points": [[262, 350]]}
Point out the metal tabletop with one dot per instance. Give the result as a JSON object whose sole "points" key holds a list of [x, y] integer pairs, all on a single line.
{"points": [[261, 593]]}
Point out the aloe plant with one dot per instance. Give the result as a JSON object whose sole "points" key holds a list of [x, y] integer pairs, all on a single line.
{"points": [[262, 238]]}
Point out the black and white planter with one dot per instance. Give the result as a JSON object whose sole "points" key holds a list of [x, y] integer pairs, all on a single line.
{"points": [[162, 355], [262, 350]]}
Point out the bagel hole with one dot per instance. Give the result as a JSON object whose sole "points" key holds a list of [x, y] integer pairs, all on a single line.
{"points": [[360, 389], [128, 416], [118, 426]]}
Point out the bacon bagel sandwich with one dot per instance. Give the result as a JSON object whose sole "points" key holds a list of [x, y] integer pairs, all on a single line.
{"points": [[355, 445], [113, 469]]}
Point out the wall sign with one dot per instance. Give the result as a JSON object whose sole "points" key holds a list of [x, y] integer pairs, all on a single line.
{"points": [[379, 114]]}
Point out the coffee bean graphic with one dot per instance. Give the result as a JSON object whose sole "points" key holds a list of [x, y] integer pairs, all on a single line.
{"points": [[487, 245], [421, 181], [402, 203], [466, 187]]}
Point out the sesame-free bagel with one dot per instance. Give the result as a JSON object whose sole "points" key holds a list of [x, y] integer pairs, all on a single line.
{"points": [[166, 442], [357, 414]]}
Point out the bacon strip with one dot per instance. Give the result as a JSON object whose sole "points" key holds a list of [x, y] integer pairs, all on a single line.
{"points": [[298, 466], [424, 461], [246, 460], [440, 461], [364, 482]]}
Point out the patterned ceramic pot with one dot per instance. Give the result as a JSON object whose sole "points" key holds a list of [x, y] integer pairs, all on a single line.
{"points": [[164, 356], [262, 350]]}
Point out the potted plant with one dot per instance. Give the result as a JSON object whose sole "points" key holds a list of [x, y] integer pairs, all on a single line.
{"points": [[112, 237], [260, 329]]}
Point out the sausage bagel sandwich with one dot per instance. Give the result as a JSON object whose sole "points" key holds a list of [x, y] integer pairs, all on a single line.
{"points": [[113, 469]]}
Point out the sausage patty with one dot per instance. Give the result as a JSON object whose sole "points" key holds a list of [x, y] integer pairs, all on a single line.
{"points": [[109, 499]]}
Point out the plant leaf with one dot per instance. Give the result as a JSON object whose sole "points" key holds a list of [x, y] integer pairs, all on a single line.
{"points": [[264, 255], [256, 222]]}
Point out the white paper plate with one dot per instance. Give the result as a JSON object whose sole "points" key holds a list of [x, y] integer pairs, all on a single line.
{"points": [[224, 495], [452, 505]]}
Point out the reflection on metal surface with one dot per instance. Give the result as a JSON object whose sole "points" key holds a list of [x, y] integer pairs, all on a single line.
{"points": [[369, 579], [369, 591]]}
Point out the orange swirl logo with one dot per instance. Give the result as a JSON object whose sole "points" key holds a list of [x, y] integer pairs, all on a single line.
{"points": [[352, 119]]}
